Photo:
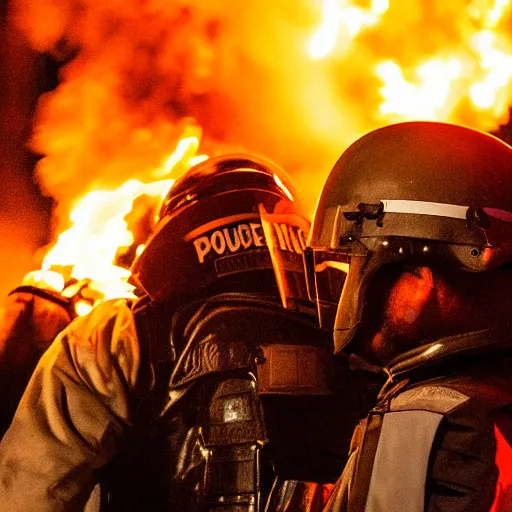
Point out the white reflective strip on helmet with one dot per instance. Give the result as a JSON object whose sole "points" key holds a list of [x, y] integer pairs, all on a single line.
{"points": [[424, 208]]}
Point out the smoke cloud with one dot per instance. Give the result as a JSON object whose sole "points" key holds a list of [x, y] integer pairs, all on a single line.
{"points": [[137, 74]]}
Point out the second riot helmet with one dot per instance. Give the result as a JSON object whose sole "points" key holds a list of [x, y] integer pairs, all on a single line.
{"points": [[416, 193]]}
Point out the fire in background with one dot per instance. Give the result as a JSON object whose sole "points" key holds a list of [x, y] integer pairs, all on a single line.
{"points": [[296, 81]]}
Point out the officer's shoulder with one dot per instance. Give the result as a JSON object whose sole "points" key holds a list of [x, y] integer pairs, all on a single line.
{"points": [[104, 313], [440, 398]]}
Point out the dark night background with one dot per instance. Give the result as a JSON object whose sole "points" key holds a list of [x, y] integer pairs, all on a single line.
{"points": [[24, 212]]}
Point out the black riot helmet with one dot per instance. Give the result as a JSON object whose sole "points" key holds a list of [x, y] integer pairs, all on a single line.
{"points": [[417, 192], [233, 221]]}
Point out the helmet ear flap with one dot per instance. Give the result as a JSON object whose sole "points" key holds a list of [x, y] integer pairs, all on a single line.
{"points": [[350, 307]]}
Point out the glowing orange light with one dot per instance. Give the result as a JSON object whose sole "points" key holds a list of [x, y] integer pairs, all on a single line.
{"points": [[496, 72], [342, 22], [83, 307], [338, 265], [257, 76], [480, 70], [99, 229], [45, 279], [184, 150], [428, 97], [283, 187]]}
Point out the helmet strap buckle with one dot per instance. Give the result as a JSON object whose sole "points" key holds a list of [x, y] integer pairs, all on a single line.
{"points": [[366, 211]]}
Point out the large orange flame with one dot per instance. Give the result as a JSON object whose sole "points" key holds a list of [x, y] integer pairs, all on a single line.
{"points": [[86, 252], [342, 22], [296, 81], [473, 72]]}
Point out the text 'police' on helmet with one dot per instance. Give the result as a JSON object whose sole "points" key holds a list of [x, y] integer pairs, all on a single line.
{"points": [[242, 236]]}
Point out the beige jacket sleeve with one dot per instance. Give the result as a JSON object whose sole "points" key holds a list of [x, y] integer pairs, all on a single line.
{"points": [[73, 413]]}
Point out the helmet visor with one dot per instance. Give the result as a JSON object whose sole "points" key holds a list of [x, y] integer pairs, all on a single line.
{"points": [[285, 235], [326, 272]]}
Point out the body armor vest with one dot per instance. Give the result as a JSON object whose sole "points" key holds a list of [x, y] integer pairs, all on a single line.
{"points": [[432, 445], [249, 411]]}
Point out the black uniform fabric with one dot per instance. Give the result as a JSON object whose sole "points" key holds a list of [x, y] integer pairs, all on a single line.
{"points": [[466, 382], [163, 406], [189, 457]]}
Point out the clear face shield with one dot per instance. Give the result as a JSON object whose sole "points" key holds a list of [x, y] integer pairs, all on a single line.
{"points": [[334, 279], [334, 269], [285, 235], [326, 273]]}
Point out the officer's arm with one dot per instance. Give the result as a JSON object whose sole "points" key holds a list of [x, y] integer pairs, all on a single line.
{"points": [[72, 415]]}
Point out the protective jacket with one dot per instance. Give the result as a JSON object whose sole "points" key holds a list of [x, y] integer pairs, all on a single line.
{"points": [[440, 436], [29, 321], [210, 409]]}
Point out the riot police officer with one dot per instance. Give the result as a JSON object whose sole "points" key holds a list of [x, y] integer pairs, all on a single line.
{"points": [[213, 391], [409, 259]]}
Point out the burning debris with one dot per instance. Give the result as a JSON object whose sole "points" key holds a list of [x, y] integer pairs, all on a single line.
{"points": [[295, 81]]}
